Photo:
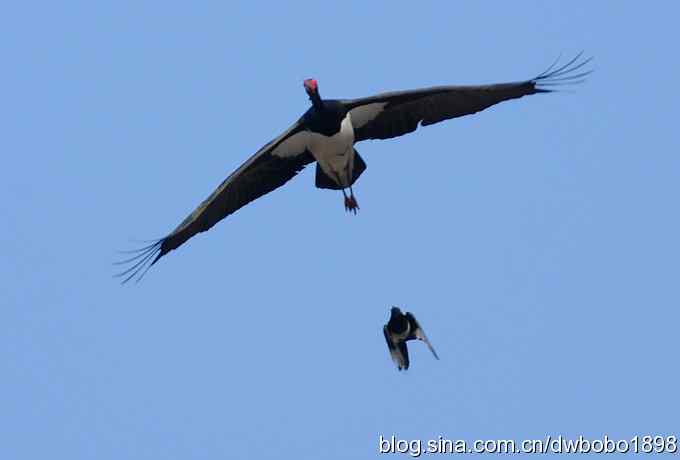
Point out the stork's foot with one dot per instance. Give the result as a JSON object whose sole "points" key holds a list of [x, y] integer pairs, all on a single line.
{"points": [[351, 204]]}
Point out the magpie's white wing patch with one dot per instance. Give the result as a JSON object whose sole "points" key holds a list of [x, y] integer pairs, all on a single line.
{"points": [[419, 334]]}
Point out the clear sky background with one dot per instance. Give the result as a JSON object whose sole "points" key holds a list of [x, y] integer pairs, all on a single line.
{"points": [[537, 242]]}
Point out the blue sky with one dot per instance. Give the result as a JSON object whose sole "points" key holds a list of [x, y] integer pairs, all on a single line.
{"points": [[536, 242]]}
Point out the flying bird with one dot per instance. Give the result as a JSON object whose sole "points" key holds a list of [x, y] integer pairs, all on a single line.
{"points": [[400, 329], [326, 134]]}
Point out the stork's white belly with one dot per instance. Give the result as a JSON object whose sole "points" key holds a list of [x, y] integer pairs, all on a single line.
{"points": [[335, 154]]}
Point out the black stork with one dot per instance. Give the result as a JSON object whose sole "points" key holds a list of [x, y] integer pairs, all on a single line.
{"points": [[400, 329], [327, 132]]}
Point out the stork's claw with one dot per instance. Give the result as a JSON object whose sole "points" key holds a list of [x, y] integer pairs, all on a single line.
{"points": [[351, 204]]}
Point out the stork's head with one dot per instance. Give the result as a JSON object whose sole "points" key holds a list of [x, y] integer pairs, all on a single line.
{"points": [[311, 87], [395, 311]]}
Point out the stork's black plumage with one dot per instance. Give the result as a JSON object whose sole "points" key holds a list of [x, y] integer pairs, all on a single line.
{"points": [[327, 132]]}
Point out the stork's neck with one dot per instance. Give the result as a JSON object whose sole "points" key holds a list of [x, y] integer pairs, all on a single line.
{"points": [[316, 100]]}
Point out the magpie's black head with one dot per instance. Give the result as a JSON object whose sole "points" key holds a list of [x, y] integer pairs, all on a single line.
{"points": [[398, 322]]}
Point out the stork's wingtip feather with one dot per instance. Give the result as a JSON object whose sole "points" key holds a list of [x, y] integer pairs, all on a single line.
{"points": [[158, 256], [141, 262], [564, 75]]}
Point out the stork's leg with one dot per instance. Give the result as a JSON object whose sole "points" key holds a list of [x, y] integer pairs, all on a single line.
{"points": [[350, 202], [353, 200]]}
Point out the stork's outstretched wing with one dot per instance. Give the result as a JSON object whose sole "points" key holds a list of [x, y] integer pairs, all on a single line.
{"points": [[271, 167], [393, 114]]}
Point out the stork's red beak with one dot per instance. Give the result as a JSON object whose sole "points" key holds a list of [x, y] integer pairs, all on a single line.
{"points": [[310, 86]]}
